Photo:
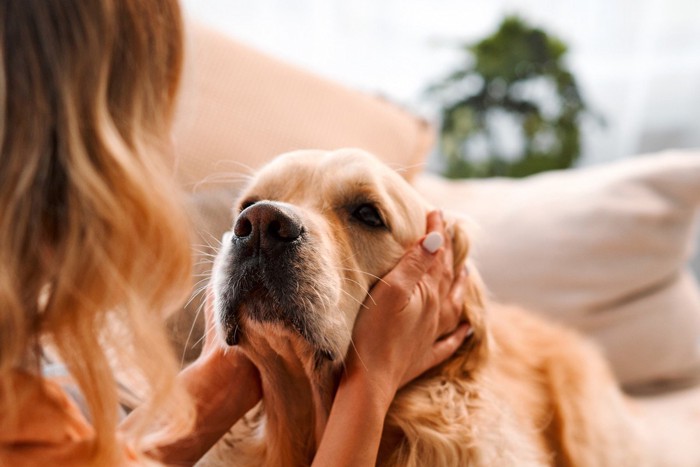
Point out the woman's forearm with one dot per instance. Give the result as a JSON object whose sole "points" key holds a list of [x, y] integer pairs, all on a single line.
{"points": [[220, 391], [218, 409], [355, 425]]}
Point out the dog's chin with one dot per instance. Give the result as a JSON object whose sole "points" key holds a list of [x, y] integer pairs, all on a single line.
{"points": [[255, 318]]}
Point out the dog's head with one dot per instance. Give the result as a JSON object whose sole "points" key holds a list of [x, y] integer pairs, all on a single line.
{"points": [[313, 232]]}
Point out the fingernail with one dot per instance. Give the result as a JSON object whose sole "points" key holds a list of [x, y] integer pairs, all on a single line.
{"points": [[432, 242]]}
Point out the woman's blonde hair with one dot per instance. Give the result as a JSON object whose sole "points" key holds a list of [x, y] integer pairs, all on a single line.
{"points": [[94, 247]]}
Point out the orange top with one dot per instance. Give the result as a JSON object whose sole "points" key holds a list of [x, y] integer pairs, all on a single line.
{"points": [[50, 429]]}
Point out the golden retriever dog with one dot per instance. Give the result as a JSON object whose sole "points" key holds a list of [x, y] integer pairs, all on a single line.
{"points": [[314, 231]]}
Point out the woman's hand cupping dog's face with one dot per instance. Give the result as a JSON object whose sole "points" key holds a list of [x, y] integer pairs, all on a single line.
{"points": [[410, 321]]}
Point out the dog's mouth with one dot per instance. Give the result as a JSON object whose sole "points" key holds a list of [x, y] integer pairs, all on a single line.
{"points": [[270, 273], [258, 293], [255, 298]]}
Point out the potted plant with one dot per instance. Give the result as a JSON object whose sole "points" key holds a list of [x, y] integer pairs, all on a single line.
{"points": [[512, 108]]}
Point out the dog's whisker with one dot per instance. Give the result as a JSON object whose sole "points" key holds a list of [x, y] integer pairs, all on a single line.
{"points": [[220, 173], [345, 228], [352, 343], [217, 241], [364, 272], [224, 177], [363, 289], [353, 298], [348, 257], [199, 282], [204, 274], [189, 334], [353, 281], [406, 168], [251, 170], [197, 290], [205, 334], [369, 295], [207, 261], [203, 245], [215, 181], [194, 321], [206, 248], [195, 295], [205, 253], [209, 274]]}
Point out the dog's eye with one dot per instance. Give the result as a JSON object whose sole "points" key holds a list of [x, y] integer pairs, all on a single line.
{"points": [[246, 204], [368, 215]]}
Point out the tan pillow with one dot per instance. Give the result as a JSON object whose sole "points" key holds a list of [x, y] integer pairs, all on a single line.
{"points": [[239, 108], [603, 249]]}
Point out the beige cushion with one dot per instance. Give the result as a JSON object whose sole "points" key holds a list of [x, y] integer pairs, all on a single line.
{"points": [[604, 249], [239, 108]]}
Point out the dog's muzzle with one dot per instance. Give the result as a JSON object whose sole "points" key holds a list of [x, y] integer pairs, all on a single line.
{"points": [[262, 268]]}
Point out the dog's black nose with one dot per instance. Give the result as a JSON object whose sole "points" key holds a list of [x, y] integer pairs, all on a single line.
{"points": [[266, 226]]}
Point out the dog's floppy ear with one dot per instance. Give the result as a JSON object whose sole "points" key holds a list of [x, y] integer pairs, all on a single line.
{"points": [[474, 351]]}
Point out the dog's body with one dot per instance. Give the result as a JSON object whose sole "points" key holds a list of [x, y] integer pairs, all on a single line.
{"points": [[314, 232]]}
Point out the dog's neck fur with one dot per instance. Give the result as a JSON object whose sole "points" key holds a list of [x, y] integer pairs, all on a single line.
{"points": [[297, 397]]}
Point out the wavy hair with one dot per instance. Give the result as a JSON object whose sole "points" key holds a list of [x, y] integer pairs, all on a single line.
{"points": [[94, 248]]}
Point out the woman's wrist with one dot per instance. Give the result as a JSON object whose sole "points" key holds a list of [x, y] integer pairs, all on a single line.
{"points": [[356, 421], [225, 381], [376, 392], [223, 387]]}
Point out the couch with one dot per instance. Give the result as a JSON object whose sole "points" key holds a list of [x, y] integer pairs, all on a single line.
{"points": [[601, 249]]}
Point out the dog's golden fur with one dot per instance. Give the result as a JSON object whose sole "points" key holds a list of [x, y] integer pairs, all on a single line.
{"points": [[520, 392]]}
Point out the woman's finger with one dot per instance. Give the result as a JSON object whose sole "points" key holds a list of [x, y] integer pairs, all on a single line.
{"points": [[440, 351], [434, 222], [446, 347], [458, 289], [449, 252], [453, 304], [397, 286], [441, 273], [435, 226]]}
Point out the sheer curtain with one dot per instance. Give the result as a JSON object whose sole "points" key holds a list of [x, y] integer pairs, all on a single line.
{"points": [[637, 61]]}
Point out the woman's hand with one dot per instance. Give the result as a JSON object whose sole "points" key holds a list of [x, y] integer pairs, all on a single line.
{"points": [[412, 321], [224, 385]]}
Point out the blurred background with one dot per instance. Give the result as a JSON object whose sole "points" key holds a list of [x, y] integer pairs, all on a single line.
{"points": [[602, 79], [637, 62]]}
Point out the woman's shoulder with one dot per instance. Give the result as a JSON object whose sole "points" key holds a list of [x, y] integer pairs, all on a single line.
{"points": [[49, 428], [45, 413]]}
